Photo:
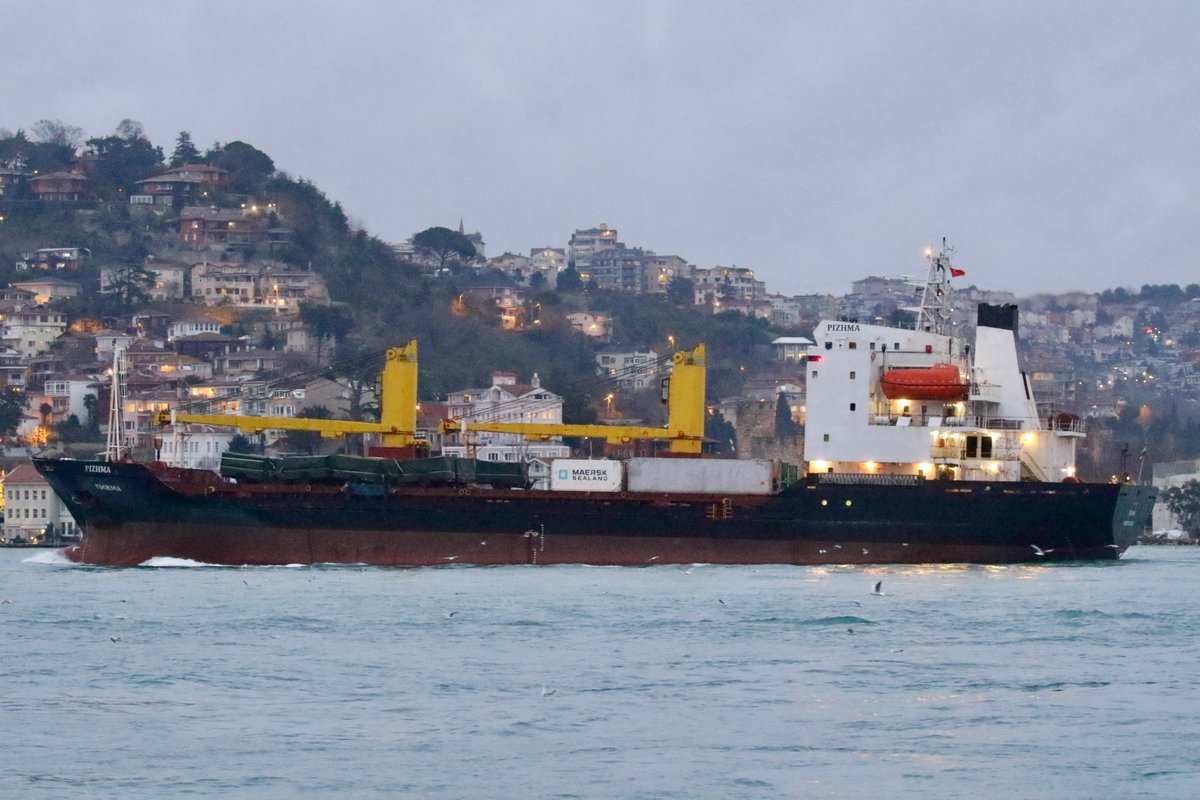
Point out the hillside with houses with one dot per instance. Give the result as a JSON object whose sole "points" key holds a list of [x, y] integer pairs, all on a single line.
{"points": [[226, 284]]}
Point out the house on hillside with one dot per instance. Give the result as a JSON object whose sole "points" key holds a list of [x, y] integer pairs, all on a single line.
{"points": [[67, 396], [509, 300], [12, 369], [593, 324], [49, 289], [249, 362], [662, 269], [10, 178], [505, 401], [58, 187], [12, 298], [217, 284], [630, 369], [207, 346], [790, 349], [209, 226], [171, 278], [192, 327], [195, 446], [30, 331], [32, 511], [187, 183], [54, 258], [285, 290]]}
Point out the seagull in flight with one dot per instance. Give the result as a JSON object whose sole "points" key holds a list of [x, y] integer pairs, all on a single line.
{"points": [[1040, 551], [878, 590], [450, 614]]}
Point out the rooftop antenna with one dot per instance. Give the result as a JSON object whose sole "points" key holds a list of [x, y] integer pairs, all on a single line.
{"points": [[934, 314], [114, 448]]}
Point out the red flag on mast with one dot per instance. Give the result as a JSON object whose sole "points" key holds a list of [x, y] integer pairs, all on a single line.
{"points": [[957, 273]]}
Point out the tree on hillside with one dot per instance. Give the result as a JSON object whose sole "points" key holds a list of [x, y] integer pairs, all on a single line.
{"points": [[249, 168], [123, 159], [12, 411], [185, 150], [18, 151], [444, 244], [785, 426], [241, 443], [129, 284], [681, 291], [318, 225], [1184, 503], [90, 405], [720, 437], [357, 368], [325, 322], [307, 442], [569, 280], [55, 132]]}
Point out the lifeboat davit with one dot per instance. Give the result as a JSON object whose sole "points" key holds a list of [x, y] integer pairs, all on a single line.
{"points": [[939, 382]]}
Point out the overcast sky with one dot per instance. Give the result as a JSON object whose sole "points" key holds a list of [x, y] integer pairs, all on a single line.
{"points": [[1056, 145]]}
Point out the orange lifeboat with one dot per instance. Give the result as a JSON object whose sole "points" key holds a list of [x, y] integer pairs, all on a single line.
{"points": [[939, 382]]}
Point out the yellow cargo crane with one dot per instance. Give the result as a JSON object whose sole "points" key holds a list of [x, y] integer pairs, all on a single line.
{"points": [[685, 414], [397, 408]]}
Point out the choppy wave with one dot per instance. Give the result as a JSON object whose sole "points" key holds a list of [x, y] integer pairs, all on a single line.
{"points": [[173, 563], [54, 557], [345, 681]]}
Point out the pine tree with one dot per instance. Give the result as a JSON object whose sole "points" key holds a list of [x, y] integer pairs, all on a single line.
{"points": [[185, 151]]}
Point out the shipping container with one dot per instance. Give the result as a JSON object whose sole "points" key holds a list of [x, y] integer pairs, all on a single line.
{"points": [[702, 475], [585, 475]]}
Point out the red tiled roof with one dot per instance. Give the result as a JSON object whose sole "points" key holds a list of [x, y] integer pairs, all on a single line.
{"points": [[24, 473]]}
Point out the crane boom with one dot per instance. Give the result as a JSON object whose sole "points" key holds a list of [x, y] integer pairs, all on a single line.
{"points": [[685, 413], [397, 408]]}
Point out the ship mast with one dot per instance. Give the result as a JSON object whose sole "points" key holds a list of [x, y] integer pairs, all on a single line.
{"points": [[114, 447], [934, 314]]}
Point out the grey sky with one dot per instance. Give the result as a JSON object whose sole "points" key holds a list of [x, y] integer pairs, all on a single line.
{"points": [[1054, 144]]}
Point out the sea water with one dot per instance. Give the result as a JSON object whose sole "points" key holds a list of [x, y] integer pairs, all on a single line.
{"points": [[176, 679]]}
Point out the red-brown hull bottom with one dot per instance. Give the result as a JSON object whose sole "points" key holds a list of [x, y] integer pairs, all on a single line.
{"points": [[135, 544]]}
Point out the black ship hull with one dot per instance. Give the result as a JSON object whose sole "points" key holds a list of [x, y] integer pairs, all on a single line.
{"points": [[130, 513]]}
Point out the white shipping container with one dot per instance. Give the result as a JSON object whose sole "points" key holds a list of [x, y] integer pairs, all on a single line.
{"points": [[701, 475], [585, 475]]}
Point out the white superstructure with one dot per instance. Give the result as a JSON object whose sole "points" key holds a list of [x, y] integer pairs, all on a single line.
{"points": [[918, 402]]}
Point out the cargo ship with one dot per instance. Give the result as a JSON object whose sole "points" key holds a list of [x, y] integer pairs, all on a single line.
{"points": [[918, 449]]}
